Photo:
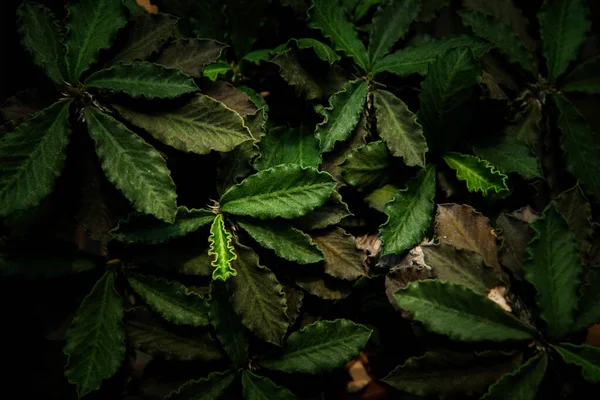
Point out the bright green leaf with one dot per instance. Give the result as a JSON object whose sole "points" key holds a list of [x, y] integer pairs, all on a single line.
{"points": [[479, 174], [142, 79], [200, 126], [33, 156], [409, 214], [320, 347], [522, 383], [173, 301], [511, 155], [554, 269], [258, 297], [563, 27], [210, 388], [287, 242], [378, 198], [331, 19], [95, 344], [213, 71], [584, 78], [286, 191], [584, 356], [140, 228], [42, 37], [390, 23], [288, 146], [447, 308], [399, 129], [257, 56], [342, 115], [133, 166], [502, 36], [221, 249], [416, 59], [581, 146], [262, 388], [367, 166], [91, 27]]}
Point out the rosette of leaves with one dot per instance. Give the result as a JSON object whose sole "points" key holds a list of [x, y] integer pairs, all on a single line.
{"points": [[35, 150], [518, 342], [563, 26]]}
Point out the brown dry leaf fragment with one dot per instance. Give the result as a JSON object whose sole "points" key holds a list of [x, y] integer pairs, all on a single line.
{"points": [[497, 296], [343, 259]]}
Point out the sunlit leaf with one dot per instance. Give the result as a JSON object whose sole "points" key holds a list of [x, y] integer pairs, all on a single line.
{"points": [[479, 174]]}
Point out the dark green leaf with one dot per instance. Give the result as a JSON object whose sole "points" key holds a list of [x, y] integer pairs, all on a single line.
{"points": [[563, 27], [91, 27], [191, 56], [409, 214], [522, 383], [584, 78], [33, 156], [447, 308], [430, 8], [133, 166], [332, 212], [322, 51], [554, 269], [399, 129], [584, 356], [479, 174], [262, 388], [343, 259], [42, 37], [286, 191], [363, 7], [331, 19], [258, 297], [95, 344], [577, 211], [140, 228], [210, 388], [288, 146], [527, 125], [367, 166], [390, 23], [511, 155], [295, 75], [200, 126], [320, 347]]}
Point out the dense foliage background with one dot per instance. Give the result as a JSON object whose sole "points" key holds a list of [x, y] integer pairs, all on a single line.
{"points": [[271, 199]]}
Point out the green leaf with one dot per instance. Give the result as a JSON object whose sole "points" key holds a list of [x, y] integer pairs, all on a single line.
{"points": [[510, 154], [95, 344], [416, 59], [173, 301], [445, 95], [332, 212], [288, 146], [140, 228], [522, 383], [343, 259], [577, 212], [447, 308], [133, 166], [390, 23], [584, 78], [342, 115], [221, 249], [399, 129], [286, 191], [563, 27], [256, 57], [378, 198], [145, 35], [228, 327], [287, 242], [210, 388], [200, 126], [262, 388], [42, 38], [584, 356], [213, 71], [554, 269], [502, 36], [142, 79], [320, 347], [442, 372], [479, 174], [258, 298], [322, 51], [91, 27], [246, 18], [367, 166], [363, 7], [146, 333], [191, 56], [409, 214], [581, 146], [295, 75], [33, 156], [331, 19]]}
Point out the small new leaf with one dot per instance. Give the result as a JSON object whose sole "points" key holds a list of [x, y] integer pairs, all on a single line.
{"points": [[221, 249], [479, 174]]}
